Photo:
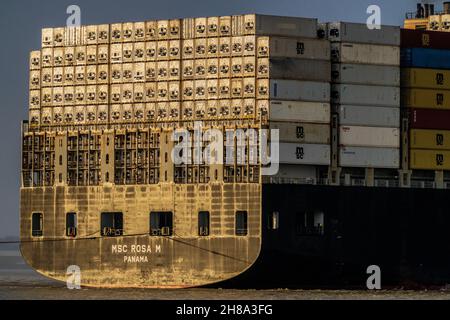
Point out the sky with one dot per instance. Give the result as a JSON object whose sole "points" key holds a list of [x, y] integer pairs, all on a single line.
{"points": [[21, 23]]}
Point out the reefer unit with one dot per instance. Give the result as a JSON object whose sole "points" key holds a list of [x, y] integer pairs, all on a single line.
{"points": [[425, 58], [369, 157], [365, 74], [429, 160], [302, 132], [425, 78], [312, 112], [300, 90], [369, 136], [429, 139], [365, 54], [359, 32], [296, 153], [366, 95], [369, 116]]}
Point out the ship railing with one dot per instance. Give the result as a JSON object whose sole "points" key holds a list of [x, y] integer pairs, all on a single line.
{"points": [[423, 184], [164, 231], [203, 231], [72, 232]]}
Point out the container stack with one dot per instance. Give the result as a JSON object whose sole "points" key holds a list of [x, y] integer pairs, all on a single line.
{"points": [[298, 102], [425, 80], [365, 96]]}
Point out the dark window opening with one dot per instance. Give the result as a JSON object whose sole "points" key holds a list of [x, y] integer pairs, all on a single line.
{"points": [[37, 224], [161, 223], [310, 223], [274, 220], [112, 224], [71, 224], [241, 223], [203, 223]]}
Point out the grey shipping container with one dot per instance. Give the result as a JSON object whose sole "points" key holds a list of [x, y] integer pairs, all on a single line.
{"points": [[311, 112], [266, 25], [365, 54], [300, 90], [302, 48], [366, 74], [302, 132], [359, 32], [369, 157], [368, 116], [299, 69], [366, 95], [297, 153]]}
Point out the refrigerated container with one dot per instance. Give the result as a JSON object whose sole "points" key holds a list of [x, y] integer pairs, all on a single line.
{"points": [[360, 33], [311, 112], [295, 69], [429, 119], [280, 26], [365, 53], [302, 153], [296, 90], [362, 136], [302, 48], [424, 39], [425, 78], [301, 132], [368, 116], [365, 157], [365, 95], [429, 159], [365, 74]]}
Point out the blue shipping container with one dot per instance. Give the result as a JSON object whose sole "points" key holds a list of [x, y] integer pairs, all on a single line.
{"points": [[425, 58]]}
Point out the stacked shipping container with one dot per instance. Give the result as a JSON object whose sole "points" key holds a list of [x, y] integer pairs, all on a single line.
{"points": [[366, 94], [425, 83]]}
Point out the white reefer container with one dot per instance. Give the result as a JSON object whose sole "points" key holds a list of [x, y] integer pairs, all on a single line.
{"points": [[365, 54], [313, 112], [299, 90], [301, 48], [359, 136], [369, 157], [295, 69], [366, 74], [297, 153], [359, 32], [282, 26], [365, 95], [302, 132], [369, 116]]}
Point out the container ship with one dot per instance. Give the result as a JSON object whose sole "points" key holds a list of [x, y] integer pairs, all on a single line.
{"points": [[119, 176]]}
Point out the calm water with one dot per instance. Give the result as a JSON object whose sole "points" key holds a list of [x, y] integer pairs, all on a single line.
{"points": [[18, 281]]}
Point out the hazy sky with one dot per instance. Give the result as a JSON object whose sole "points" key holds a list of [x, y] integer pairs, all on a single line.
{"points": [[21, 22]]}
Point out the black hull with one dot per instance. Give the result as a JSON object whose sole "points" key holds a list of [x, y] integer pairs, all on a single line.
{"points": [[406, 232]]}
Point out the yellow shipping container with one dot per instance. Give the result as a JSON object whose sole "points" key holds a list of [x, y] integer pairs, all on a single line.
{"points": [[429, 139], [429, 160], [425, 78], [426, 98]]}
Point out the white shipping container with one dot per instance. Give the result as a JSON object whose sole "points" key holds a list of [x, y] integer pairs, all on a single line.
{"points": [[369, 157], [302, 132], [296, 153], [359, 136], [359, 32], [366, 95], [312, 112], [297, 69], [300, 90], [366, 74], [282, 26], [365, 54], [369, 116], [301, 48]]}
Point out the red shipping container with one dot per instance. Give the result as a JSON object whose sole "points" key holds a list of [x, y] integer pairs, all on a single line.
{"points": [[429, 119], [424, 39]]}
